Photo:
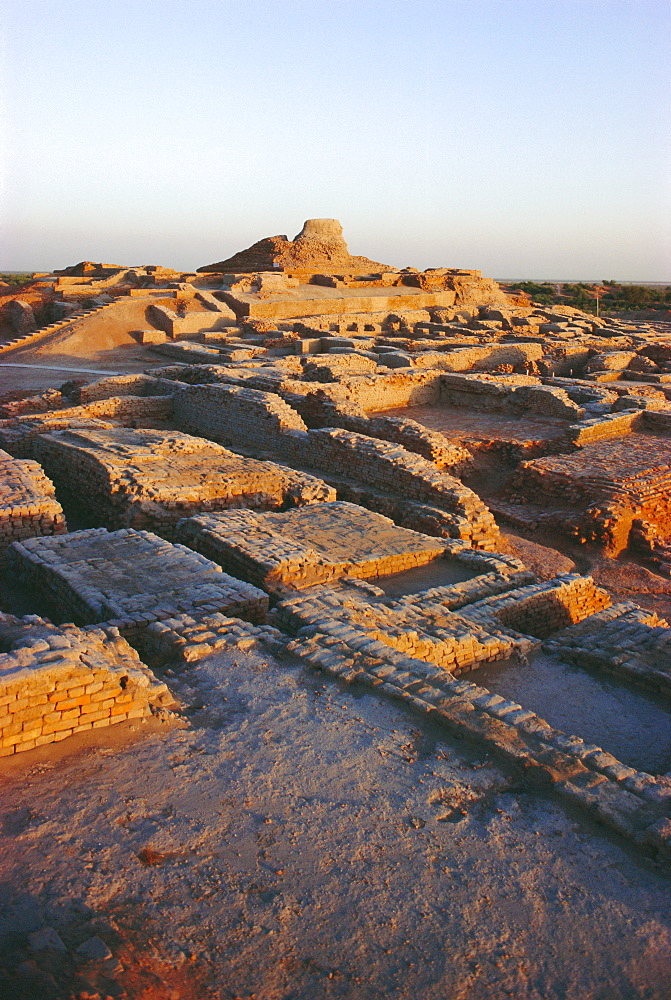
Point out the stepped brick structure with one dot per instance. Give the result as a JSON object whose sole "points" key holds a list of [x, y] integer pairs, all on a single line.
{"points": [[150, 479], [298, 548], [610, 484], [97, 575]]}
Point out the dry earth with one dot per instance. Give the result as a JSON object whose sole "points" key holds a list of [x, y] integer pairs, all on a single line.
{"points": [[304, 841]]}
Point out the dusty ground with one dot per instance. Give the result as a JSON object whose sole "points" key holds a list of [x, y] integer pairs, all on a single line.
{"points": [[467, 426], [303, 841], [624, 578], [99, 343]]}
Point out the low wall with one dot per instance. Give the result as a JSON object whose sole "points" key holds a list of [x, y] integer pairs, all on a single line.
{"points": [[610, 425], [235, 416], [57, 682], [544, 608], [319, 410], [392, 468], [290, 307], [295, 550], [473, 358], [28, 505], [17, 434], [139, 385], [516, 395], [99, 576]]}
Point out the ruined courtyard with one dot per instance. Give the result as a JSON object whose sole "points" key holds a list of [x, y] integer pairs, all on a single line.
{"points": [[414, 491]]}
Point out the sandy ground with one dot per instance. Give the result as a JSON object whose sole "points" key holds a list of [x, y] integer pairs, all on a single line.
{"points": [[100, 342], [464, 426], [299, 840]]}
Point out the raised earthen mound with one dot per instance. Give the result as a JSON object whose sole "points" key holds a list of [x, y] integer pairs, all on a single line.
{"points": [[319, 246]]}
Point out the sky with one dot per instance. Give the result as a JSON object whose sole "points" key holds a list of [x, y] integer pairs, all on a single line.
{"points": [[523, 138]]}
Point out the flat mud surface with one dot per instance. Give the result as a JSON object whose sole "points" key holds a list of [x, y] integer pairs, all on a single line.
{"points": [[633, 725], [302, 841], [439, 573], [464, 425]]}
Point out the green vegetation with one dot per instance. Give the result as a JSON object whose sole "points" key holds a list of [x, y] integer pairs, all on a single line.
{"points": [[15, 277], [613, 297]]}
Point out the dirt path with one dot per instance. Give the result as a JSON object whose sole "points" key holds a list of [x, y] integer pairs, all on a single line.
{"points": [[303, 842]]}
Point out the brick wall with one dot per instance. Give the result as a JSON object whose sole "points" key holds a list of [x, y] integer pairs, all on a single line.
{"points": [[544, 608], [234, 415], [56, 682], [391, 468], [28, 504]]}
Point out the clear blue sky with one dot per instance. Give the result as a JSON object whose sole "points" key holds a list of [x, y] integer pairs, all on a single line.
{"points": [[526, 138]]}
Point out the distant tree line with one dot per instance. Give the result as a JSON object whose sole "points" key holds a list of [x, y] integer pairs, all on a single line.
{"points": [[613, 297], [15, 277]]}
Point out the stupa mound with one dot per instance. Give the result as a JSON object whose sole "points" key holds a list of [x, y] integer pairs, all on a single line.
{"points": [[319, 247]]}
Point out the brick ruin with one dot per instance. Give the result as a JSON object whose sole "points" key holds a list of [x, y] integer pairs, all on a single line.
{"points": [[311, 429], [28, 504], [56, 682]]}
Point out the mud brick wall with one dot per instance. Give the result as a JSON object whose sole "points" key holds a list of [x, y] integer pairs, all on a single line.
{"points": [[480, 392], [58, 682], [468, 358], [234, 415], [443, 638], [394, 389], [384, 391], [331, 367], [610, 425], [544, 608], [564, 359], [392, 469], [28, 504], [129, 409], [297, 549], [419, 517], [96, 576], [544, 401], [624, 639], [123, 385], [187, 638], [516, 395], [18, 436], [152, 479], [431, 445], [617, 481], [633, 803], [318, 410], [658, 421]]}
